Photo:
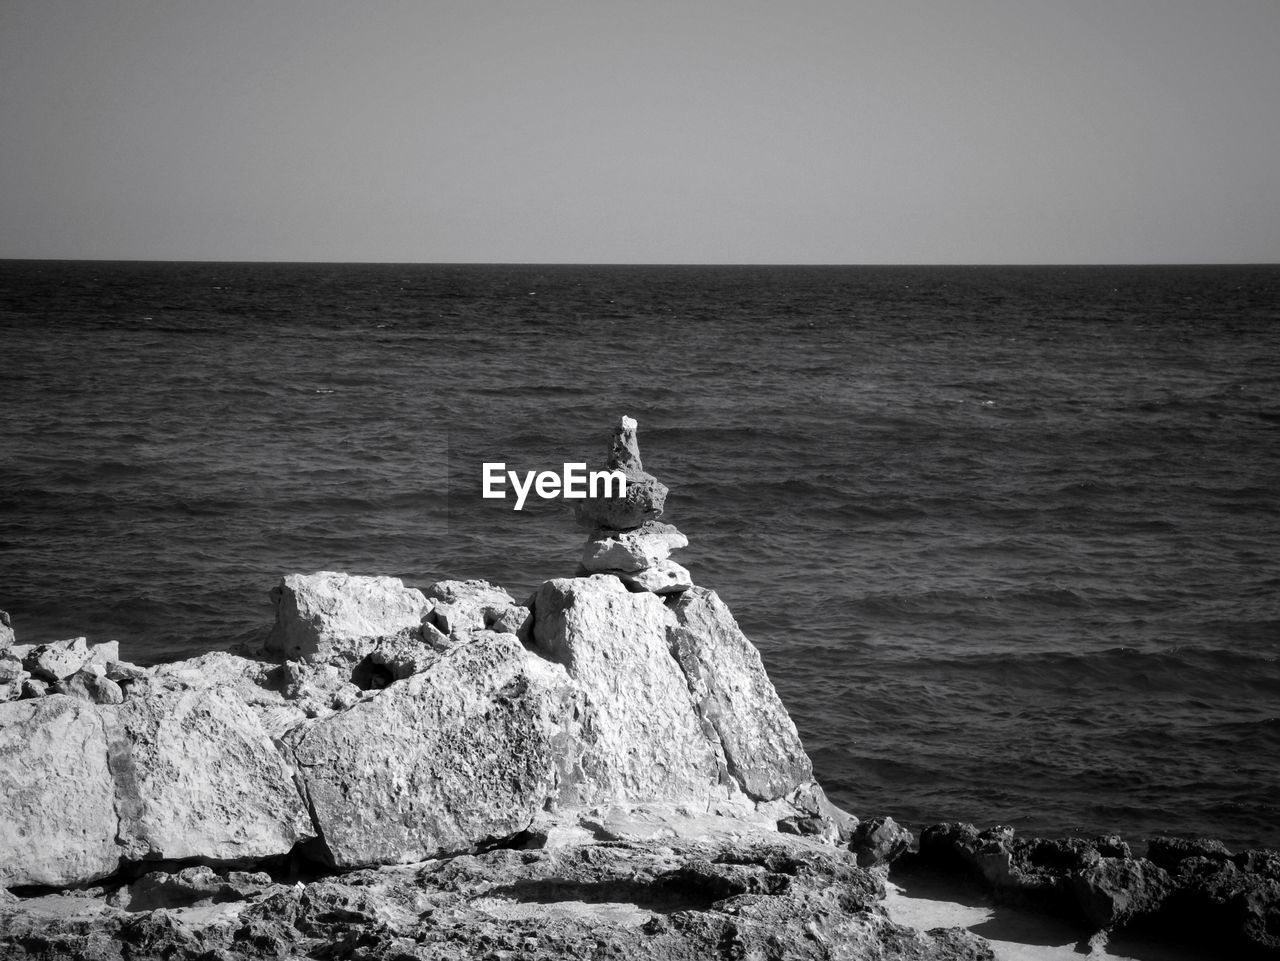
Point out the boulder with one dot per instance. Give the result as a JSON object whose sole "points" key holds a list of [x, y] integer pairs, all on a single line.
{"points": [[457, 756], [878, 842], [198, 777], [643, 738], [325, 614], [1114, 891], [728, 682], [58, 818], [6, 630], [635, 550]]}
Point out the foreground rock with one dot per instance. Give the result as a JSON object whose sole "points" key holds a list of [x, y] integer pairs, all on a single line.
{"points": [[1196, 890], [715, 897], [463, 754]]}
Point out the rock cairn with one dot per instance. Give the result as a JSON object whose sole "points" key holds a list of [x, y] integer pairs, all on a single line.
{"points": [[627, 540]]}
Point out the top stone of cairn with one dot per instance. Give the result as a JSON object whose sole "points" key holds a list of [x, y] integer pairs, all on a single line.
{"points": [[645, 494]]}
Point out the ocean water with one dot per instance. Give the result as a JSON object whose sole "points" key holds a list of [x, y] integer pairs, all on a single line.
{"points": [[1007, 538]]}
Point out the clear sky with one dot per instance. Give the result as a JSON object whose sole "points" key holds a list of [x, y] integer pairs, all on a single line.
{"points": [[712, 131]]}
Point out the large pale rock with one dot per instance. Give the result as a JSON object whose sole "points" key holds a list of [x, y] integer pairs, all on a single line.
{"points": [[325, 614], [636, 550], [642, 737], [198, 777], [463, 753], [735, 695], [57, 660], [57, 802]]}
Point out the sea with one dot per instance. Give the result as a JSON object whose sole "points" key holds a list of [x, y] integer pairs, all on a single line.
{"points": [[1007, 538]]}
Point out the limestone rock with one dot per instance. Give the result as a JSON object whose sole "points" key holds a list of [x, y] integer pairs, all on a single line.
{"points": [[642, 738], [198, 777], [321, 614], [90, 686], [57, 800], [461, 754], [461, 607], [673, 900], [57, 660], [666, 577], [635, 550], [11, 668], [728, 681], [645, 495]]}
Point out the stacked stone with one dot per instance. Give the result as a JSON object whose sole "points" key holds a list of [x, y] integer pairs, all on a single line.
{"points": [[627, 540]]}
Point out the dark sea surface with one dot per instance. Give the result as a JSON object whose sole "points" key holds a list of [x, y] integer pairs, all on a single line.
{"points": [[1008, 539]]}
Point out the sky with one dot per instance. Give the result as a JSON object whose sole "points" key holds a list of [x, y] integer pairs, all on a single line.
{"points": [[609, 131]]}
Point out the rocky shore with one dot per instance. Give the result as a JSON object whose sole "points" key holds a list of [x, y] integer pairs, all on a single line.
{"points": [[602, 769]]}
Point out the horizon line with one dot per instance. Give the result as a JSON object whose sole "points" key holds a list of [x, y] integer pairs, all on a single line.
{"points": [[645, 263]]}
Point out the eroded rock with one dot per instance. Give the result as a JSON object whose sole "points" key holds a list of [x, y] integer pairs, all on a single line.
{"points": [[321, 614], [642, 737], [198, 777], [464, 753], [58, 818], [728, 681], [629, 551]]}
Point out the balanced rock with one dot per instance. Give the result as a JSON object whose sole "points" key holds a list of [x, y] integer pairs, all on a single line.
{"points": [[321, 614], [643, 738], [725, 675], [635, 550], [666, 577], [462, 754], [645, 494]]}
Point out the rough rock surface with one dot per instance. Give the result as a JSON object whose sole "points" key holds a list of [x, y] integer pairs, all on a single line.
{"points": [[1195, 890], [726, 677], [6, 630], [198, 777], [665, 577], [318, 613], [645, 494], [463, 753], [635, 550], [53, 662], [879, 841], [58, 818], [460, 607], [642, 738], [674, 901]]}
